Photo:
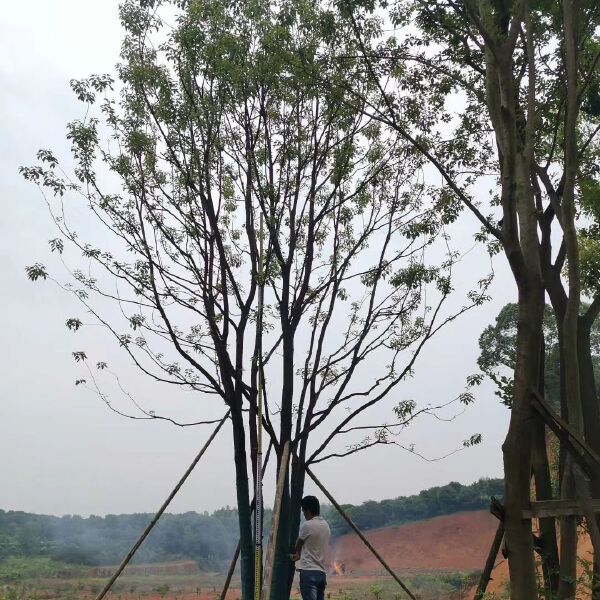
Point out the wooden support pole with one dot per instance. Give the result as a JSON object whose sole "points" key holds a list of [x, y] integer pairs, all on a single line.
{"points": [[358, 532], [270, 557], [161, 510], [486, 574], [581, 452]]}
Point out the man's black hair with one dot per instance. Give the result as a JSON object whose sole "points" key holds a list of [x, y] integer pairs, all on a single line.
{"points": [[311, 503]]}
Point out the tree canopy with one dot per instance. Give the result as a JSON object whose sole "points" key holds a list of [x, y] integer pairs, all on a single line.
{"points": [[497, 344], [218, 118]]}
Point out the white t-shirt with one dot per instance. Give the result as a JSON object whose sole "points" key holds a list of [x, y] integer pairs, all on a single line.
{"points": [[315, 534]]}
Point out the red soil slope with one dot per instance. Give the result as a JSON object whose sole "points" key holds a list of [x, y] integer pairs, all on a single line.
{"points": [[458, 542], [584, 551]]}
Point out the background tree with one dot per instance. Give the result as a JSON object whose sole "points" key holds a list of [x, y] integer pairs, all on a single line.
{"points": [[215, 123], [497, 353]]}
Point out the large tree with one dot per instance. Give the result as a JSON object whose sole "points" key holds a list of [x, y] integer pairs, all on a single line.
{"points": [[524, 77], [214, 123]]}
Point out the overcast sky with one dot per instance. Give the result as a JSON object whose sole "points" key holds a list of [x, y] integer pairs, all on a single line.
{"points": [[61, 450]]}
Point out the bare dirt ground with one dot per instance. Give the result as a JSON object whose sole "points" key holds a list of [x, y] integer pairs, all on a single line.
{"points": [[458, 542]]}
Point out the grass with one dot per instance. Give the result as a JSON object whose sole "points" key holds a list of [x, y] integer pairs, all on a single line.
{"points": [[425, 586], [15, 569], [44, 579]]}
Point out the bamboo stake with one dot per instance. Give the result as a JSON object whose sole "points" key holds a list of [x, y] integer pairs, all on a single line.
{"points": [[161, 510], [270, 557], [258, 513], [358, 532], [486, 574]]}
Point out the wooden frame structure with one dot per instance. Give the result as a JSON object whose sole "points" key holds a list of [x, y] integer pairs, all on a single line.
{"points": [[582, 454]]}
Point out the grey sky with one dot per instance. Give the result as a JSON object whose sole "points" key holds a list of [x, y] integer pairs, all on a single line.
{"points": [[62, 450]]}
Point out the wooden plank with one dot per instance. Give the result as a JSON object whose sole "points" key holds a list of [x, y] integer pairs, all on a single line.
{"points": [[557, 508], [270, 558]]}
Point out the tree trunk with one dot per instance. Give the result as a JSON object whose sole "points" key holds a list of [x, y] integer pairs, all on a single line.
{"points": [[522, 249], [243, 502], [282, 563], [572, 23], [517, 446], [285, 569], [543, 491], [591, 422], [297, 491], [568, 525]]}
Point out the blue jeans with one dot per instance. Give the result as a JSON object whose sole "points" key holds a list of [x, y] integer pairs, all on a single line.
{"points": [[312, 585]]}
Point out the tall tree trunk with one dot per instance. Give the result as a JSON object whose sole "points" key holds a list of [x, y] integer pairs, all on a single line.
{"points": [[568, 541], [517, 447], [568, 525], [591, 421], [282, 563], [572, 23], [285, 543], [243, 503], [543, 491], [297, 491]]}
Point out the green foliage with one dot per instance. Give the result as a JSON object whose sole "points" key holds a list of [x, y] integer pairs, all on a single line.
{"points": [[12, 592], [15, 569], [38, 545], [50, 542], [37, 271], [162, 590], [498, 353], [73, 324], [589, 236]]}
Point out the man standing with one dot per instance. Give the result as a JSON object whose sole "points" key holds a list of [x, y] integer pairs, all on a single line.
{"points": [[311, 550]]}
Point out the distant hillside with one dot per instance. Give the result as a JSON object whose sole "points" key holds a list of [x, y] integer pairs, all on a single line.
{"points": [[457, 543], [209, 539], [433, 502]]}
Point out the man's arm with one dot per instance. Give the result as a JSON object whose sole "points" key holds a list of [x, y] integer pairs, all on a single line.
{"points": [[302, 535], [297, 550]]}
